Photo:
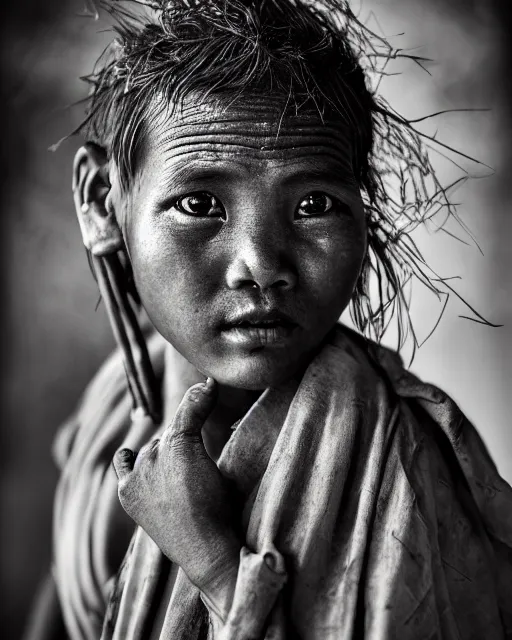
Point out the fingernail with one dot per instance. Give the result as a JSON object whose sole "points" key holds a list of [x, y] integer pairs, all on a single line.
{"points": [[125, 454], [209, 385]]}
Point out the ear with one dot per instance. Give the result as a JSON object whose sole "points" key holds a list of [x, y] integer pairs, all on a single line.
{"points": [[100, 231]]}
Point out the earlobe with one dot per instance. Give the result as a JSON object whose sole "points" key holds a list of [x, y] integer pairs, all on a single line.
{"points": [[101, 234]]}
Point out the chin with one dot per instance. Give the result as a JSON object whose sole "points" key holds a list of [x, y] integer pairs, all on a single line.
{"points": [[255, 372]]}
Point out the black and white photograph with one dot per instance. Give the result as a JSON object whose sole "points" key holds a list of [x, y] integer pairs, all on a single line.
{"points": [[257, 329]]}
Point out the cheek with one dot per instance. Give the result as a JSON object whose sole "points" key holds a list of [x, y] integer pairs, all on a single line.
{"points": [[173, 277], [335, 250]]}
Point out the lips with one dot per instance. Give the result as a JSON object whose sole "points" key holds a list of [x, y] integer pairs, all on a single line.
{"points": [[259, 328]]}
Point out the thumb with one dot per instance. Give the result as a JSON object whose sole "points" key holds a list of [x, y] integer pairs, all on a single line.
{"points": [[194, 409], [123, 462]]}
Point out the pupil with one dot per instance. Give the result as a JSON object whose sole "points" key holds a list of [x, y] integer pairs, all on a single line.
{"points": [[199, 204], [314, 203]]}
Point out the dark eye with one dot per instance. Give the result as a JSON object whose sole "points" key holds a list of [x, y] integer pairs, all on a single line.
{"points": [[200, 204], [315, 204]]}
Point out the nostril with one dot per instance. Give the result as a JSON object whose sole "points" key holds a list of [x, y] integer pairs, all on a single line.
{"points": [[252, 284]]}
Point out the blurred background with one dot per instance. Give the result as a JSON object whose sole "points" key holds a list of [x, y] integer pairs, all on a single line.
{"points": [[53, 339]]}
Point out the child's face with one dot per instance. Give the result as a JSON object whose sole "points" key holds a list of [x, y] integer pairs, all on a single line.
{"points": [[246, 246]]}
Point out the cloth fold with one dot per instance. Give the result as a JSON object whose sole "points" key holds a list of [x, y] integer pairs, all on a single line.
{"points": [[390, 515]]}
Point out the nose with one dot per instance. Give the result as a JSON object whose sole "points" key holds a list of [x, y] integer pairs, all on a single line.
{"points": [[262, 259]]}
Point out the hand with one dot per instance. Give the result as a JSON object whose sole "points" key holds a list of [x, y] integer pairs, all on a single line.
{"points": [[176, 493]]}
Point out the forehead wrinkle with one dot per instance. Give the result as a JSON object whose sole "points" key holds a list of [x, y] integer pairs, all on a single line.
{"points": [[173, 159], [249, 125], [245, 132], [221, 144], [251, 129], [236, 142], [291, 169]]}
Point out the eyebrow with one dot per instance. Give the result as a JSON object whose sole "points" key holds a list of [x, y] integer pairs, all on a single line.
{"points": [[196, 171], [331, 175]]}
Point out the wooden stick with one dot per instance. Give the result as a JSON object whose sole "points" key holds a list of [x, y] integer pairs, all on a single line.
{"points": [[128, 335]]}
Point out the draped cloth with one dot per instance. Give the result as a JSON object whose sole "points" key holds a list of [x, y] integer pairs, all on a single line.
{"points": [[381, 497]]}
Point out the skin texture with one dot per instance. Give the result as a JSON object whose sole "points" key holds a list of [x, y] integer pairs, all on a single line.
{"points": [[168, 488], [257, 253], [256, 243]]}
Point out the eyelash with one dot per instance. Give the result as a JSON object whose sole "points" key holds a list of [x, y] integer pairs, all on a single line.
{"points": [[336, 206], [178, 204]]}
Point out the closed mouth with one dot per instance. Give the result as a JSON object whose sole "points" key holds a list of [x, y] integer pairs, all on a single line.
{"points": [[261, 324], [257, 329], [266, 319]]}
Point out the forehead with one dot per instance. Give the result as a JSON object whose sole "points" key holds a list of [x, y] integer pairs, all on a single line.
{"points": [[251, 133]]}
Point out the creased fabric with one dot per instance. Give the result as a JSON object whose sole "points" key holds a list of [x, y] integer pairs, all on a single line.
{"points": [[379, 494], [91, 532]]}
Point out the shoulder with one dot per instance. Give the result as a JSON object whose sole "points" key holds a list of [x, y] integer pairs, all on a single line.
{"points": [[491, 492], [387, 363], [409, 390]]}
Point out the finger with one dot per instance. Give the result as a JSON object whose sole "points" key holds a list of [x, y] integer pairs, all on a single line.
{"points": [[193, 411], [123, 461], [149, 452]]}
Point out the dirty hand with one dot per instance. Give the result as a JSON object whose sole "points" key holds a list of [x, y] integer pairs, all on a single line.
{"points": [[176, 493]]}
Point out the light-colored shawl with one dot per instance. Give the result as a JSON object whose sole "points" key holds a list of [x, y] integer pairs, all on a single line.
{"points": [[377, 491]]}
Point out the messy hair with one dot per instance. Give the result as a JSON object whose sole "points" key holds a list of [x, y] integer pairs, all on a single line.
{"points": [[311, 53]]}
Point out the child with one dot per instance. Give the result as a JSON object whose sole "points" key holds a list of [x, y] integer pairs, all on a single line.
{"points": [[311, 487]]}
